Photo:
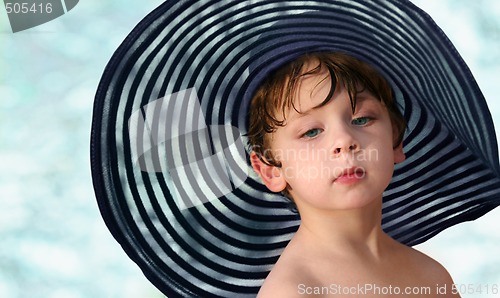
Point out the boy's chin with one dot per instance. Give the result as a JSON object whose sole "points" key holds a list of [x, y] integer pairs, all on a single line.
{"points": [[341, 203]]}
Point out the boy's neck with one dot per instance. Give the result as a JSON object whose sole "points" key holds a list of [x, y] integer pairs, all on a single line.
{"points": [[354, 231]]}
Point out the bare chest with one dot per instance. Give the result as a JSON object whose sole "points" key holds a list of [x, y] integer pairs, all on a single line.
{"points": [[344, 278]]}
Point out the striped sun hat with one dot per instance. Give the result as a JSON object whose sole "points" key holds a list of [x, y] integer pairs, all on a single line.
{"points": [[168, 148]]}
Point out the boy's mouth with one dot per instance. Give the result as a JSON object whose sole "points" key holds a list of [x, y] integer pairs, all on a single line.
{"points": [[350, 175]]}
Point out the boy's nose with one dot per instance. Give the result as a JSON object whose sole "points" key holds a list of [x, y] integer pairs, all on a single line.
{"points": [[344, 143], [347, 149]]}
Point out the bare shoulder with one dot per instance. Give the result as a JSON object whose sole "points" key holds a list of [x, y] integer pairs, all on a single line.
{"points": [[432, 272], [277, 287], [286, 277], [430, 267], [416, 269], [282, 281]]}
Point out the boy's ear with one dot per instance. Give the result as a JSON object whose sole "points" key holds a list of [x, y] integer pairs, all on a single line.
{"points": [[271, 176], [399, 155]]}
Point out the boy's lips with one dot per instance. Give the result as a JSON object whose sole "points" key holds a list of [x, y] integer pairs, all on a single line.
{"points": [[350, 175]]}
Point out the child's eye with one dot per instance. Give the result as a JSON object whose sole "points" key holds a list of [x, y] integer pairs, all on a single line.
{"points": [[361, 121], [311, 133]]}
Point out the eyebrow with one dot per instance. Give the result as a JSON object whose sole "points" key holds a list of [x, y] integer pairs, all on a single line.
{"points": [[360, 98], [299, 115], [364, 95]]}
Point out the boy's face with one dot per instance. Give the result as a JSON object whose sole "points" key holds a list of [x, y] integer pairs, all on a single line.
{"points": [[330, 157]]}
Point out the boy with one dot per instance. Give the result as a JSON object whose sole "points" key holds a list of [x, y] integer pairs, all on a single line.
{"points": [[326, 132], [340, 115]]}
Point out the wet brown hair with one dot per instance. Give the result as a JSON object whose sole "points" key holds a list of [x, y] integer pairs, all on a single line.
{"points": [[275, 96]]}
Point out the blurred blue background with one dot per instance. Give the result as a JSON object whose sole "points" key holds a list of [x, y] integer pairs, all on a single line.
{"points": [[53, 242]]}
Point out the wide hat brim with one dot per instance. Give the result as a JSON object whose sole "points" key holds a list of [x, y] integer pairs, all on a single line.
{"points": [[170, 172]]}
